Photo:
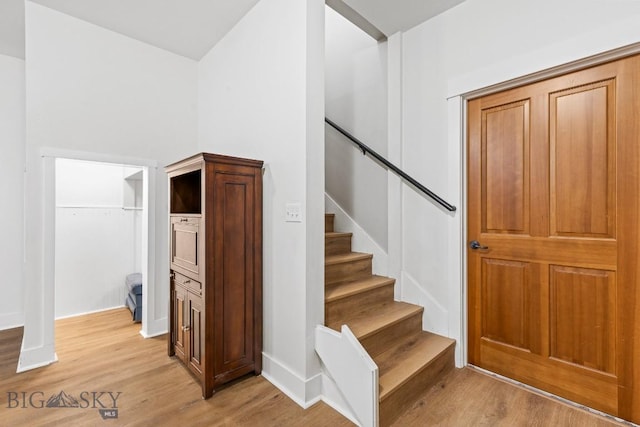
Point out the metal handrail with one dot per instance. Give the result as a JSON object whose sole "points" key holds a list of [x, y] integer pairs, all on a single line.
{"points": [[368, 150]]}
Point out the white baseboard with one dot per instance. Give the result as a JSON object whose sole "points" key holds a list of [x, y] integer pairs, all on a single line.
{"points": [[155, 328], [11, 320], [305, 393], [33, 358], [84, 313]]}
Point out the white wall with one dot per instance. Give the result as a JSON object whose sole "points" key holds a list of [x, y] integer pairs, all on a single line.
{"points": [[96, 237], [261, 96], [12, 189], [356, 99], [477, 44], [92, 91], [133, 192]]}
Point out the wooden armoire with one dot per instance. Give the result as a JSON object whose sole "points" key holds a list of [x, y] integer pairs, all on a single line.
{"points": [[215, 208]]}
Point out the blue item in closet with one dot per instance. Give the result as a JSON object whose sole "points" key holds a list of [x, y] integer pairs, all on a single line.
{"points": [[133, 286]]}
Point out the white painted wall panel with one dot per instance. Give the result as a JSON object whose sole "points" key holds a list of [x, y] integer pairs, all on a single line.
{"points": [[89, 184], [94, 253], [12, 146]]}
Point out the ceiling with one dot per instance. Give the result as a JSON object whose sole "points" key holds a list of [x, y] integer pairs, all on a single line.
{"points": [[12, 28], [191, 28], [391, 16]]}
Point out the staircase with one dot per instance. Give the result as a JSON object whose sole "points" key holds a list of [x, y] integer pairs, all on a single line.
{"points": [[409, 359]]}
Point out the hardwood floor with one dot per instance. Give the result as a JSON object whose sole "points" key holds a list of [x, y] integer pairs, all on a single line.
{"points": [[469, 398], [104, 352], [10, 342]]}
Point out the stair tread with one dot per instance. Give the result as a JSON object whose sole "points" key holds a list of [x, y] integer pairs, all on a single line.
{"points": [[347, 257], [347, 289], [367, 322], [399, 364]]}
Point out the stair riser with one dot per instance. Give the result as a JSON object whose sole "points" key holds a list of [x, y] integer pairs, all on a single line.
{"points": [[346, 271], [339, 309], [328, 222], [334, 245], [386, 338], [404, 397]]}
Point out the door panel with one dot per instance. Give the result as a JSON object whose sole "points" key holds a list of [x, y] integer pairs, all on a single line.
{"points": [[506, 169], [583, 161], [185, 245], [506, 296], [196, 334], [234, 276], [178, 302], [582, 322], [553, 192]]}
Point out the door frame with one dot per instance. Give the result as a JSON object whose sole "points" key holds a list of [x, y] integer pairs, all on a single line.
{"points": [[460, 92], [148, 259]]}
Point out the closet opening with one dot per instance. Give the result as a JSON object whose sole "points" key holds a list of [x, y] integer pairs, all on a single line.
{"points": [[98, 243], [86, 261]]}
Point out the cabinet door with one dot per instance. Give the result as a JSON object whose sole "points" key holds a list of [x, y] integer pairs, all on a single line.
{"points": [[178, 329], [196, 334], [186, 245], [234, 274]]}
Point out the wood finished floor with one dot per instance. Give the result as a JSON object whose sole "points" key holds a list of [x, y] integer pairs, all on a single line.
{"points": [[105, 352]]}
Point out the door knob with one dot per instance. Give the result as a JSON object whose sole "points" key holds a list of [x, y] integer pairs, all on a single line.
{"points": [[474, 244]]}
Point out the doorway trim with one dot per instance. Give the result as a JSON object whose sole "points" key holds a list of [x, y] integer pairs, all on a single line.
{"points": [[462, 90], [548, 73], [148, 261]]}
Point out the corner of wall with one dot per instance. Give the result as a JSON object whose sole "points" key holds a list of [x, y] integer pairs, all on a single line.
{"points": [[155, 328], [304, 392]]}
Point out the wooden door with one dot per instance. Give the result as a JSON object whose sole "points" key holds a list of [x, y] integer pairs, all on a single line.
{"points": [[178, 316], [553, 195], [196, 333], [234, 273]]}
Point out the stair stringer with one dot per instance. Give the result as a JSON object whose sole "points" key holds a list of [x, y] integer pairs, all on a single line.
{"points": [[353, 371], [435, 318]]}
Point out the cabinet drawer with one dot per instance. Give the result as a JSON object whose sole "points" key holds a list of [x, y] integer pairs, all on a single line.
{"points": [[190, 284]]}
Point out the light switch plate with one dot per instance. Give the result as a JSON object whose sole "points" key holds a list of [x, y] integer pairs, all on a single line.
{"points": [[293, 212]]}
